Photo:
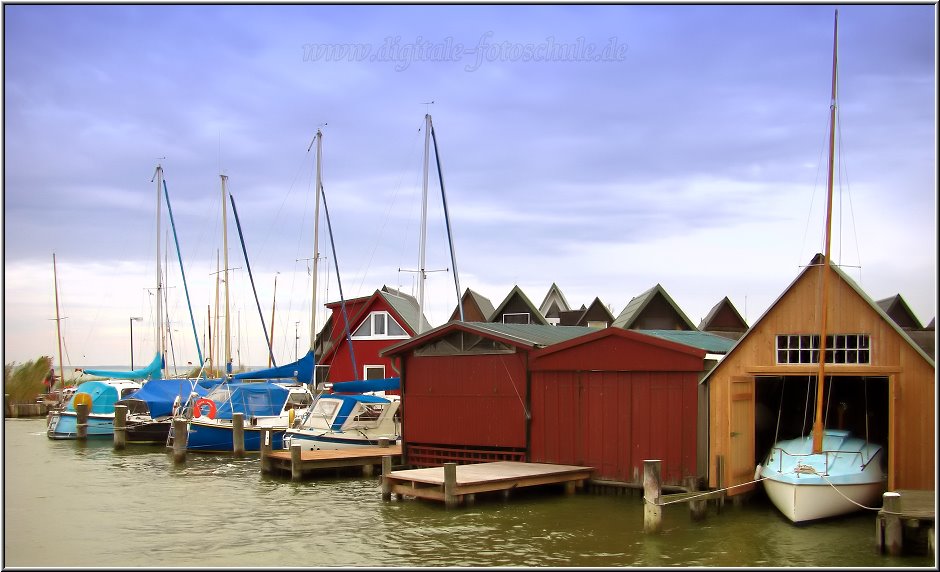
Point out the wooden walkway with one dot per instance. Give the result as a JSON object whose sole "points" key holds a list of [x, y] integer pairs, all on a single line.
{"points": [[454, 484], [906, 522], [299, 464]]}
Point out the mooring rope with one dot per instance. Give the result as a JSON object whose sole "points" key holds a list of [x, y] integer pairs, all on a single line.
{"points": [[687, 499], [812, 470]]}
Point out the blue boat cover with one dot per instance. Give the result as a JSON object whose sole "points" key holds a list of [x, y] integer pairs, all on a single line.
{"points": [[251, 399], [301, 369], [159, 394], [366, 385], [349, 402], [152, 371], [103, 396]]}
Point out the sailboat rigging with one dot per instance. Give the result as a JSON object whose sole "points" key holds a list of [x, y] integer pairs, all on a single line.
{"points": [[831, 472]]}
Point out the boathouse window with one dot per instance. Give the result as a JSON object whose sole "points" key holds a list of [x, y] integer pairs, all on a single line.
{"points": [[520, 318], [379, 325], [840, 349], [374, 372]]}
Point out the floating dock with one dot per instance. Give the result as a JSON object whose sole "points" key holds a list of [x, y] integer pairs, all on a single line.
{"points": [[906, 522], [455, 484], [299, 464]]}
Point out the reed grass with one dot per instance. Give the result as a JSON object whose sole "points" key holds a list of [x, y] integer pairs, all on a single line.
{"points": [[24, 382]]}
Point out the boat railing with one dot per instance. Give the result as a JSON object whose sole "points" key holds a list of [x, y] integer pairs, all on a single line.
{"points": [[829, 455]]}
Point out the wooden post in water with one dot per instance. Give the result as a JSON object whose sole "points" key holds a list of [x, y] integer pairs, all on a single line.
{"points": [[296, 465], [652, 496], [386, 484], [238, 434], [120, 427], [696, 507], [893, 529], [720, 480], [450, 485], [265, 450], [81, 420], [180, 437]]}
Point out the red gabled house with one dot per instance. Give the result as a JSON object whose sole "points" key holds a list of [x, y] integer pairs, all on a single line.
{"points": [[375, 322]]}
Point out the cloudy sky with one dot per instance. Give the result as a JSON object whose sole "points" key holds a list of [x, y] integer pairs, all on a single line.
{"points": [[606, 149]]}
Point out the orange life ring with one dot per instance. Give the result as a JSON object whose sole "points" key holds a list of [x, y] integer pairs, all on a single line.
{"points": [[197, 408]]}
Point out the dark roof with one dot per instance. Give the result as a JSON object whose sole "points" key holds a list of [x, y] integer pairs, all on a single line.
{"points": [[898, 310], [722, 311], [524, 335], [635, 307]]}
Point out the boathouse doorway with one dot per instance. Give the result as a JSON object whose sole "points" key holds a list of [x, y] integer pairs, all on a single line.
{"points": [[783, 408]]}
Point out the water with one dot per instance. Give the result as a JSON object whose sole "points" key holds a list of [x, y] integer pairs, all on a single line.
{"points": [[69, 504]]}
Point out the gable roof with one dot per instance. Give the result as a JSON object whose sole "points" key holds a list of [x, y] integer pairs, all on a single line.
{"points": [[517, 294], [554, 299], [719, 316], [482, 303], [405, 306], [814, 263], [520, 335], [634, 309], [597, 309], [898, 310]]}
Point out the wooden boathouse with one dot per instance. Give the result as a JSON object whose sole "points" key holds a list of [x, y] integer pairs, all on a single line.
{"points": [[605, 398], [882, 384]]}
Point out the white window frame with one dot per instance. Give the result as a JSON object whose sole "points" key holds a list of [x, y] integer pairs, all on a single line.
{"points": [[374, 318], [366, 368], [527, 315], [841, 349]]}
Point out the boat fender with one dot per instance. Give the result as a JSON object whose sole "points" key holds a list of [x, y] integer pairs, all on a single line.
{"points": [[290, 418], [757, 472], [176, 405], [197, 410]]}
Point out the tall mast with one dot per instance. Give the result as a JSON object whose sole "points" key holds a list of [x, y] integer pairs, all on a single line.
{"points": [[159, 308], [424, 221], [821, 376], [58, 323], [271, 339], [228, 324], [316, 235]]}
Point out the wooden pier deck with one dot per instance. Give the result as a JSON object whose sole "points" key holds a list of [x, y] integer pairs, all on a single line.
{"points": [[455, 484], [299, 464], [906, 522]]}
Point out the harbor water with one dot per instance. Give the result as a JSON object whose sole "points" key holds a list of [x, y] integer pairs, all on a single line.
{"points": [[69, 504]]}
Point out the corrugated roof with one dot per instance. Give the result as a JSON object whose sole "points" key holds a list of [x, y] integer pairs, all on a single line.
{"points": [[406, 307], [707, 341], [483, 303], [532, 334]]}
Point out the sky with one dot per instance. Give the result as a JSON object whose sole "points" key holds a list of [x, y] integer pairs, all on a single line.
{"points": [[605, 149]]}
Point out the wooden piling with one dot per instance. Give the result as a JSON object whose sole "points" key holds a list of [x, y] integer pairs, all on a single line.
{"points": [[386, 485], [697, 508], [652, 496], [180, 437], [296, 465], [450, 485], [893, 530], [383, 442], [81, 420], [238, 434], [120, 427], [265, 450], [720, 480]]}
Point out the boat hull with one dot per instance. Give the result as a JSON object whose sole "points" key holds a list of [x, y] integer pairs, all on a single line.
{"points": [[808, 502], [148, 432], [310, 441], [64, 425], [214, 438]]}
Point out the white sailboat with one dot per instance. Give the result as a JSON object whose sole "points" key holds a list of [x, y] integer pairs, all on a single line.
{"points": [[830, 472]]}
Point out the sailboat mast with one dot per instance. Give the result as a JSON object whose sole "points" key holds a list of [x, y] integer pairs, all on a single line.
{"points": [[271, 339], [159, 310], [58, 323], [228, 324], [316, 248], [821, 376], [424, 222]]}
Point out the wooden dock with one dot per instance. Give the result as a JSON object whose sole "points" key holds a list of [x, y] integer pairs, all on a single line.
{"points": [[299, 464], [455, 484], [906, 522]]}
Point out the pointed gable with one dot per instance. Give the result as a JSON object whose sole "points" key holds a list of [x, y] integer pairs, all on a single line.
{"points": [[653, 310], [554, 303], [406, 307], [516, 308], [725, 320], [476, 307], [597, 315], [898, 310]]}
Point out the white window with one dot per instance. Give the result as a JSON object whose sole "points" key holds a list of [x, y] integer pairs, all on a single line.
{"points": [[520, 318], [379, 325], [840, 349], [373, 372]]}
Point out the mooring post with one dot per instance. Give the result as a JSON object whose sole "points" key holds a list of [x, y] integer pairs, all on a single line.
{"points": [[238, 434], [893, 531], [120, 426], [450, 485], [81, 420], [296, 464], [696, 506], [720, 480], [265, 450], [652, 496], [180, 438], [386, 484], [383, 442]]}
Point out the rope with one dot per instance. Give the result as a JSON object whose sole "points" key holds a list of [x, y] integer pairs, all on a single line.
{"points": [[812, 471], [687, 499]]}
